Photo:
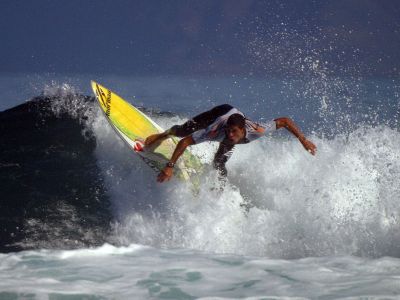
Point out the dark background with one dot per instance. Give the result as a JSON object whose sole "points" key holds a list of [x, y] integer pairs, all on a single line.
{"points": [[206, 37]]}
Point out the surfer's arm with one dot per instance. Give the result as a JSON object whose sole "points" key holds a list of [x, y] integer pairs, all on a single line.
{"points": [[181, 147], [167, 172], [222, 155], [294, 129]]}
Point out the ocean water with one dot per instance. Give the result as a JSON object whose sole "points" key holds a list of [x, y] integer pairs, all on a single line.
{"points": [[140, 272], [85, 219]]}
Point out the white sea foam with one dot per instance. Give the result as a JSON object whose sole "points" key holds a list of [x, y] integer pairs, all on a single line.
{"points": [[137, 272], [343, 201]]}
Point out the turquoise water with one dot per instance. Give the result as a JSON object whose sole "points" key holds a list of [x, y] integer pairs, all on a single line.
{"points": [[139, 272]]}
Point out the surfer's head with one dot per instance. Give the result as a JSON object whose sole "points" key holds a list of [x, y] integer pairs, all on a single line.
{"points": [[235, 128]]}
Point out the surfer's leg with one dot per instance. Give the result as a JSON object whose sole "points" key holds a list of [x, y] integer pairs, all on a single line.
{"points": [[200, 121], [156, 138]]}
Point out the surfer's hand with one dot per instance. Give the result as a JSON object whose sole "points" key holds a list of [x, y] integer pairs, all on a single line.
{"points": [[165, 174], [309, 146]]}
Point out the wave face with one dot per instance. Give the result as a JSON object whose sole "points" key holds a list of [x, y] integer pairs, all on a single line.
{"points": [[71, 183], [52, 189]]}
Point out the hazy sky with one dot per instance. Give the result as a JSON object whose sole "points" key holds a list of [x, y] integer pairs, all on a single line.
{"points": [[205, 37]]}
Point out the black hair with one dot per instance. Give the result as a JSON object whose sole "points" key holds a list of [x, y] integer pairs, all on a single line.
{"points": [[236, 120]]}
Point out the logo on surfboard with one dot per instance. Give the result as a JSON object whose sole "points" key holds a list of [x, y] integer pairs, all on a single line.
{"points": [[107, 102]]}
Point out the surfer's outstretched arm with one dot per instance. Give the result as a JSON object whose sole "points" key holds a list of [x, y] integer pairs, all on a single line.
{"points": [[292, 127], [167, 172]]}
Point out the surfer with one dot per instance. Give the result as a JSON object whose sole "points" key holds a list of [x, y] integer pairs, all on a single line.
{"points": [[224, 124]]}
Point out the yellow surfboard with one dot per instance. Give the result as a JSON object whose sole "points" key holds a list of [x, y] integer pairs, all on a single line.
{"points": [[133, 127]]}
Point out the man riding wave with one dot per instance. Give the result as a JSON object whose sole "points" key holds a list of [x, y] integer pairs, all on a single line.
{"points": [[224, 124]]}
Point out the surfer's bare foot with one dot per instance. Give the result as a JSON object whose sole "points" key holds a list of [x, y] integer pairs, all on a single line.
{"points": [[154, 138]]}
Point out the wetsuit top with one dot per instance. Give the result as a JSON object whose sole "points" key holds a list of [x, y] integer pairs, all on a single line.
{"points": [[210, 126], [216, 130]]}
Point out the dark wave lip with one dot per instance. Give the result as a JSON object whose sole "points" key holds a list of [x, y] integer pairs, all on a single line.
{"points": [[52, 191], [52, 195]]}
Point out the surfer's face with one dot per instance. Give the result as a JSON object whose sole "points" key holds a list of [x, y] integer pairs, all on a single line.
{"points": [[235, 134]]}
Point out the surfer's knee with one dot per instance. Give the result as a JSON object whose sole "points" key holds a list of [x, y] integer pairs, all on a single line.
{"points": [[173, 130], [178, 130], [182, 130]]}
